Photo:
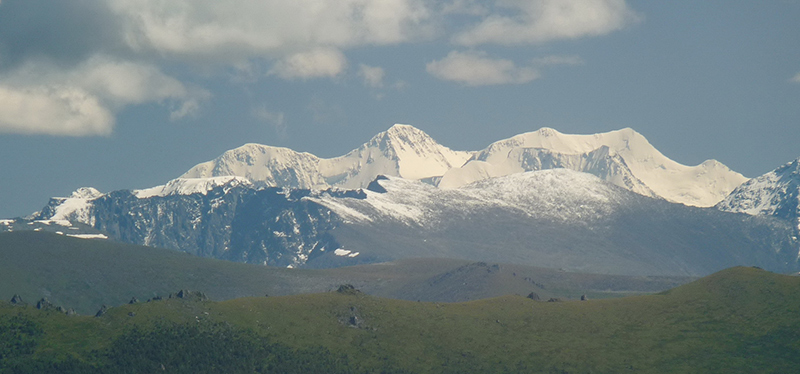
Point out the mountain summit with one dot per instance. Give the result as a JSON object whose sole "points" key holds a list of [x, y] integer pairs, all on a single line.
{"points": [[776, 193], [623, 157], [402, 151]]}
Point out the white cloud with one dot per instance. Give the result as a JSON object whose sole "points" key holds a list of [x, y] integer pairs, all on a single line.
{"points": [[477, 69], [796, 78], [40, 98], [240, 29], [108, 58], [467, 7], [538, 21], [323, 112], [314, 64], [123, 82], [372, 75], [185, 109], [277, 120], [53, 110], [557, 60]]}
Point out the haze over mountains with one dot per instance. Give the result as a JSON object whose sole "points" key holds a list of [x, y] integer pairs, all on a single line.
{"points": [[607, 203]]}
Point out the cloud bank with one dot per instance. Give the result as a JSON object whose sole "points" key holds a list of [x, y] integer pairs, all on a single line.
{"points": [[319, 63], [477, 69], [539, 21], [371, 75], [42, 98], [67, 67]]}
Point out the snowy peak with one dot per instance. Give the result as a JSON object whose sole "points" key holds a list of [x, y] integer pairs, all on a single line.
{"points": [[402, 140], [402, 150], [78, 207], [86, 193], [776, 193], [75, 208], [266, 165], [547, 138], [623, 157], [189, 186]]}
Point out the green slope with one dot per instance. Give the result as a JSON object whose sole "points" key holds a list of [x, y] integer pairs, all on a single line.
{"points": [[85, 274], [737, 320]]}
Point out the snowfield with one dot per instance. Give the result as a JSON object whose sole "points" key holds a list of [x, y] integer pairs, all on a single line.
{"points": [[559, 195]]}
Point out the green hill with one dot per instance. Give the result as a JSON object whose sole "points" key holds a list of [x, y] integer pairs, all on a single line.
{"points": [[738, 320], [85, 274]]}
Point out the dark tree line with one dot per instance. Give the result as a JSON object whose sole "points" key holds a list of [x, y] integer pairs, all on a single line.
{"points": [[170, 348]]}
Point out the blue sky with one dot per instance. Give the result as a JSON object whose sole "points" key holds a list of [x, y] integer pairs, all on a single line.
{"points": [[120, 94]]}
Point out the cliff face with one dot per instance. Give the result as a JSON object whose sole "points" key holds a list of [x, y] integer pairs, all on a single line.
{"points": [[269, 226]]}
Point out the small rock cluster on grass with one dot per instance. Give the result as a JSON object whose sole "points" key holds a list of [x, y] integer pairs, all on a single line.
{"points": [[189, 295], [348, 289], [42, 304]]}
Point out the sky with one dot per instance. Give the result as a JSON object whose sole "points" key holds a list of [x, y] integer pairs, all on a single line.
{"points": [[124, 94]]}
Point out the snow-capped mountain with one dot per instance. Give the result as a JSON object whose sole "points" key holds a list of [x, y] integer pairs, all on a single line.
{"points": [[553, 218], [225, 218], [78, 206], [556, 218], [189, 186], [558, 195], [402, 151], [578, 202], [623, 157], [776, 193]]}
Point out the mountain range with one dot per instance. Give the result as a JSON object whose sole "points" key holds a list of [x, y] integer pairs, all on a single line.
{"points": [[607, 203], [622, 157]]}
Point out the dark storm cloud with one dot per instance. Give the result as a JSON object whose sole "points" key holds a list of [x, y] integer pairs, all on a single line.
{"points": [[63, 31]]}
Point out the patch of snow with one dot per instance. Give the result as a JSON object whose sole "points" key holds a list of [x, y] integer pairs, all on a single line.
{"points": [[78, 206], [59, 233], [354, 254], [88, 236], [343, 210], [6, 222], [341, 252], [57, 222], [189, 186], [557, 194]]}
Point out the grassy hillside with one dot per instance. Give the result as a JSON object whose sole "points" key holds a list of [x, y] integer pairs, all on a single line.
{"points": [[85, 274], [737, 320]]}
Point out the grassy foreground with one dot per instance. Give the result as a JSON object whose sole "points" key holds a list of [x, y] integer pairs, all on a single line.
{"points": [[737, 320]]}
